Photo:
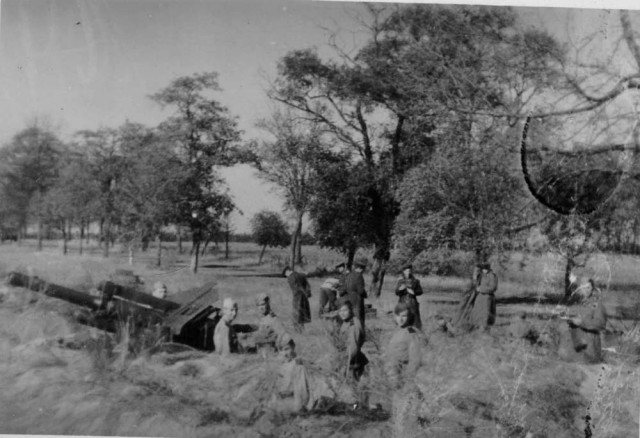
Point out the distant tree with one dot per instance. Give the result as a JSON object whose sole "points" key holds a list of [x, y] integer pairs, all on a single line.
{"points": [[288, 163], [31, 165], [73, 199], [151, 185], [204, 136], [463, 198], [107, 165], [269, 229]]}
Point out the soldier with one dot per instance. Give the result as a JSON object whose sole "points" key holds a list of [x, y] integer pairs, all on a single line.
{"points": [[301, 294], [225, 339], [352, 336], [403, 355], [343, 271], [159, 290], [408, 289], [588, 324], [477, 309], [355, 290], [483, 313], [270, 327], [328, 296]]}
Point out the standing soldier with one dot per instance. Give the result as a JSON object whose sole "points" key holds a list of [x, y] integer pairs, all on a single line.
{"points": [[408, 290], [355, 289], [588, 324], [483, 313], [301, 294]]}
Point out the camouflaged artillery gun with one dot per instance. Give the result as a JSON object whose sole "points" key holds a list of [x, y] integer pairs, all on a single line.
{"points": [[191, 323]]}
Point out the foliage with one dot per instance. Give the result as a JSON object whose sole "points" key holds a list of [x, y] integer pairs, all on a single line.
{"points": [[30, 168], [288, 163], [269, 229], [204, 135], [429, 78]]}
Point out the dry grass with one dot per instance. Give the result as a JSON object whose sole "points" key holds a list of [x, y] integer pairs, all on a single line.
{"points": [[477, 385]]}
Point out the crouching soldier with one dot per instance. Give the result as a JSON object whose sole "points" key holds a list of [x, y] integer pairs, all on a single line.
{"points": [[269, 328], [328, 296], [404, 352]]}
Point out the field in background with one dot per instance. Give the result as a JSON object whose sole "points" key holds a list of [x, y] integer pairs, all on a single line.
{"points": [[474, 386]]}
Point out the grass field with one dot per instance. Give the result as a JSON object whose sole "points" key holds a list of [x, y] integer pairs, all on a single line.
{"points": [[59, 377]]}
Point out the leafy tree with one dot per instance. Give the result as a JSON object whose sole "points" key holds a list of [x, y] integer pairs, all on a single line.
{"points": [[463, 198], [30, 170], [288, 162], [427, 73], [151, 185], [73, 199], [204, 136], [107, 165], [269, 229]]}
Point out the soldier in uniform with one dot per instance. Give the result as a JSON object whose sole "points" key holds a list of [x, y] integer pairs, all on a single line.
{"points": [[403, 355], [301, 293], [355, 290], [352, 336], [270, 327], [408, 289], [586, 327], [225, 338], [159, 290], [483, 313]]}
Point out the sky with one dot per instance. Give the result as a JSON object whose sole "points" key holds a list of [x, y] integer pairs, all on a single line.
{"points": [[89, 64]]}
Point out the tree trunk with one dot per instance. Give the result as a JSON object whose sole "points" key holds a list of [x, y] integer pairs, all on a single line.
{"points": [[81, 237], [264, 247], [204, 247], [634, 244], [101, 237], [159, 253], [105, 235], [378, 272], [380, 257], [351, 254], [39, 234], [226, 241], [195, 252], [294, 245], [297, 250], [65, 237], [567, 274], [180, 250]]}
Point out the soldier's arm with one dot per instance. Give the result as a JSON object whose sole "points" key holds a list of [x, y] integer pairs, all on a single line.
{"points": [[417, 287], [401, 288]]}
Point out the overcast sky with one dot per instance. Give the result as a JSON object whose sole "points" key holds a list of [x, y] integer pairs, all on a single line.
{"points": [[87, 64]]}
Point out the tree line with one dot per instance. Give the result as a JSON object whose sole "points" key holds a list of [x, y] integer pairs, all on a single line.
{"points": [[452, 128]]}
